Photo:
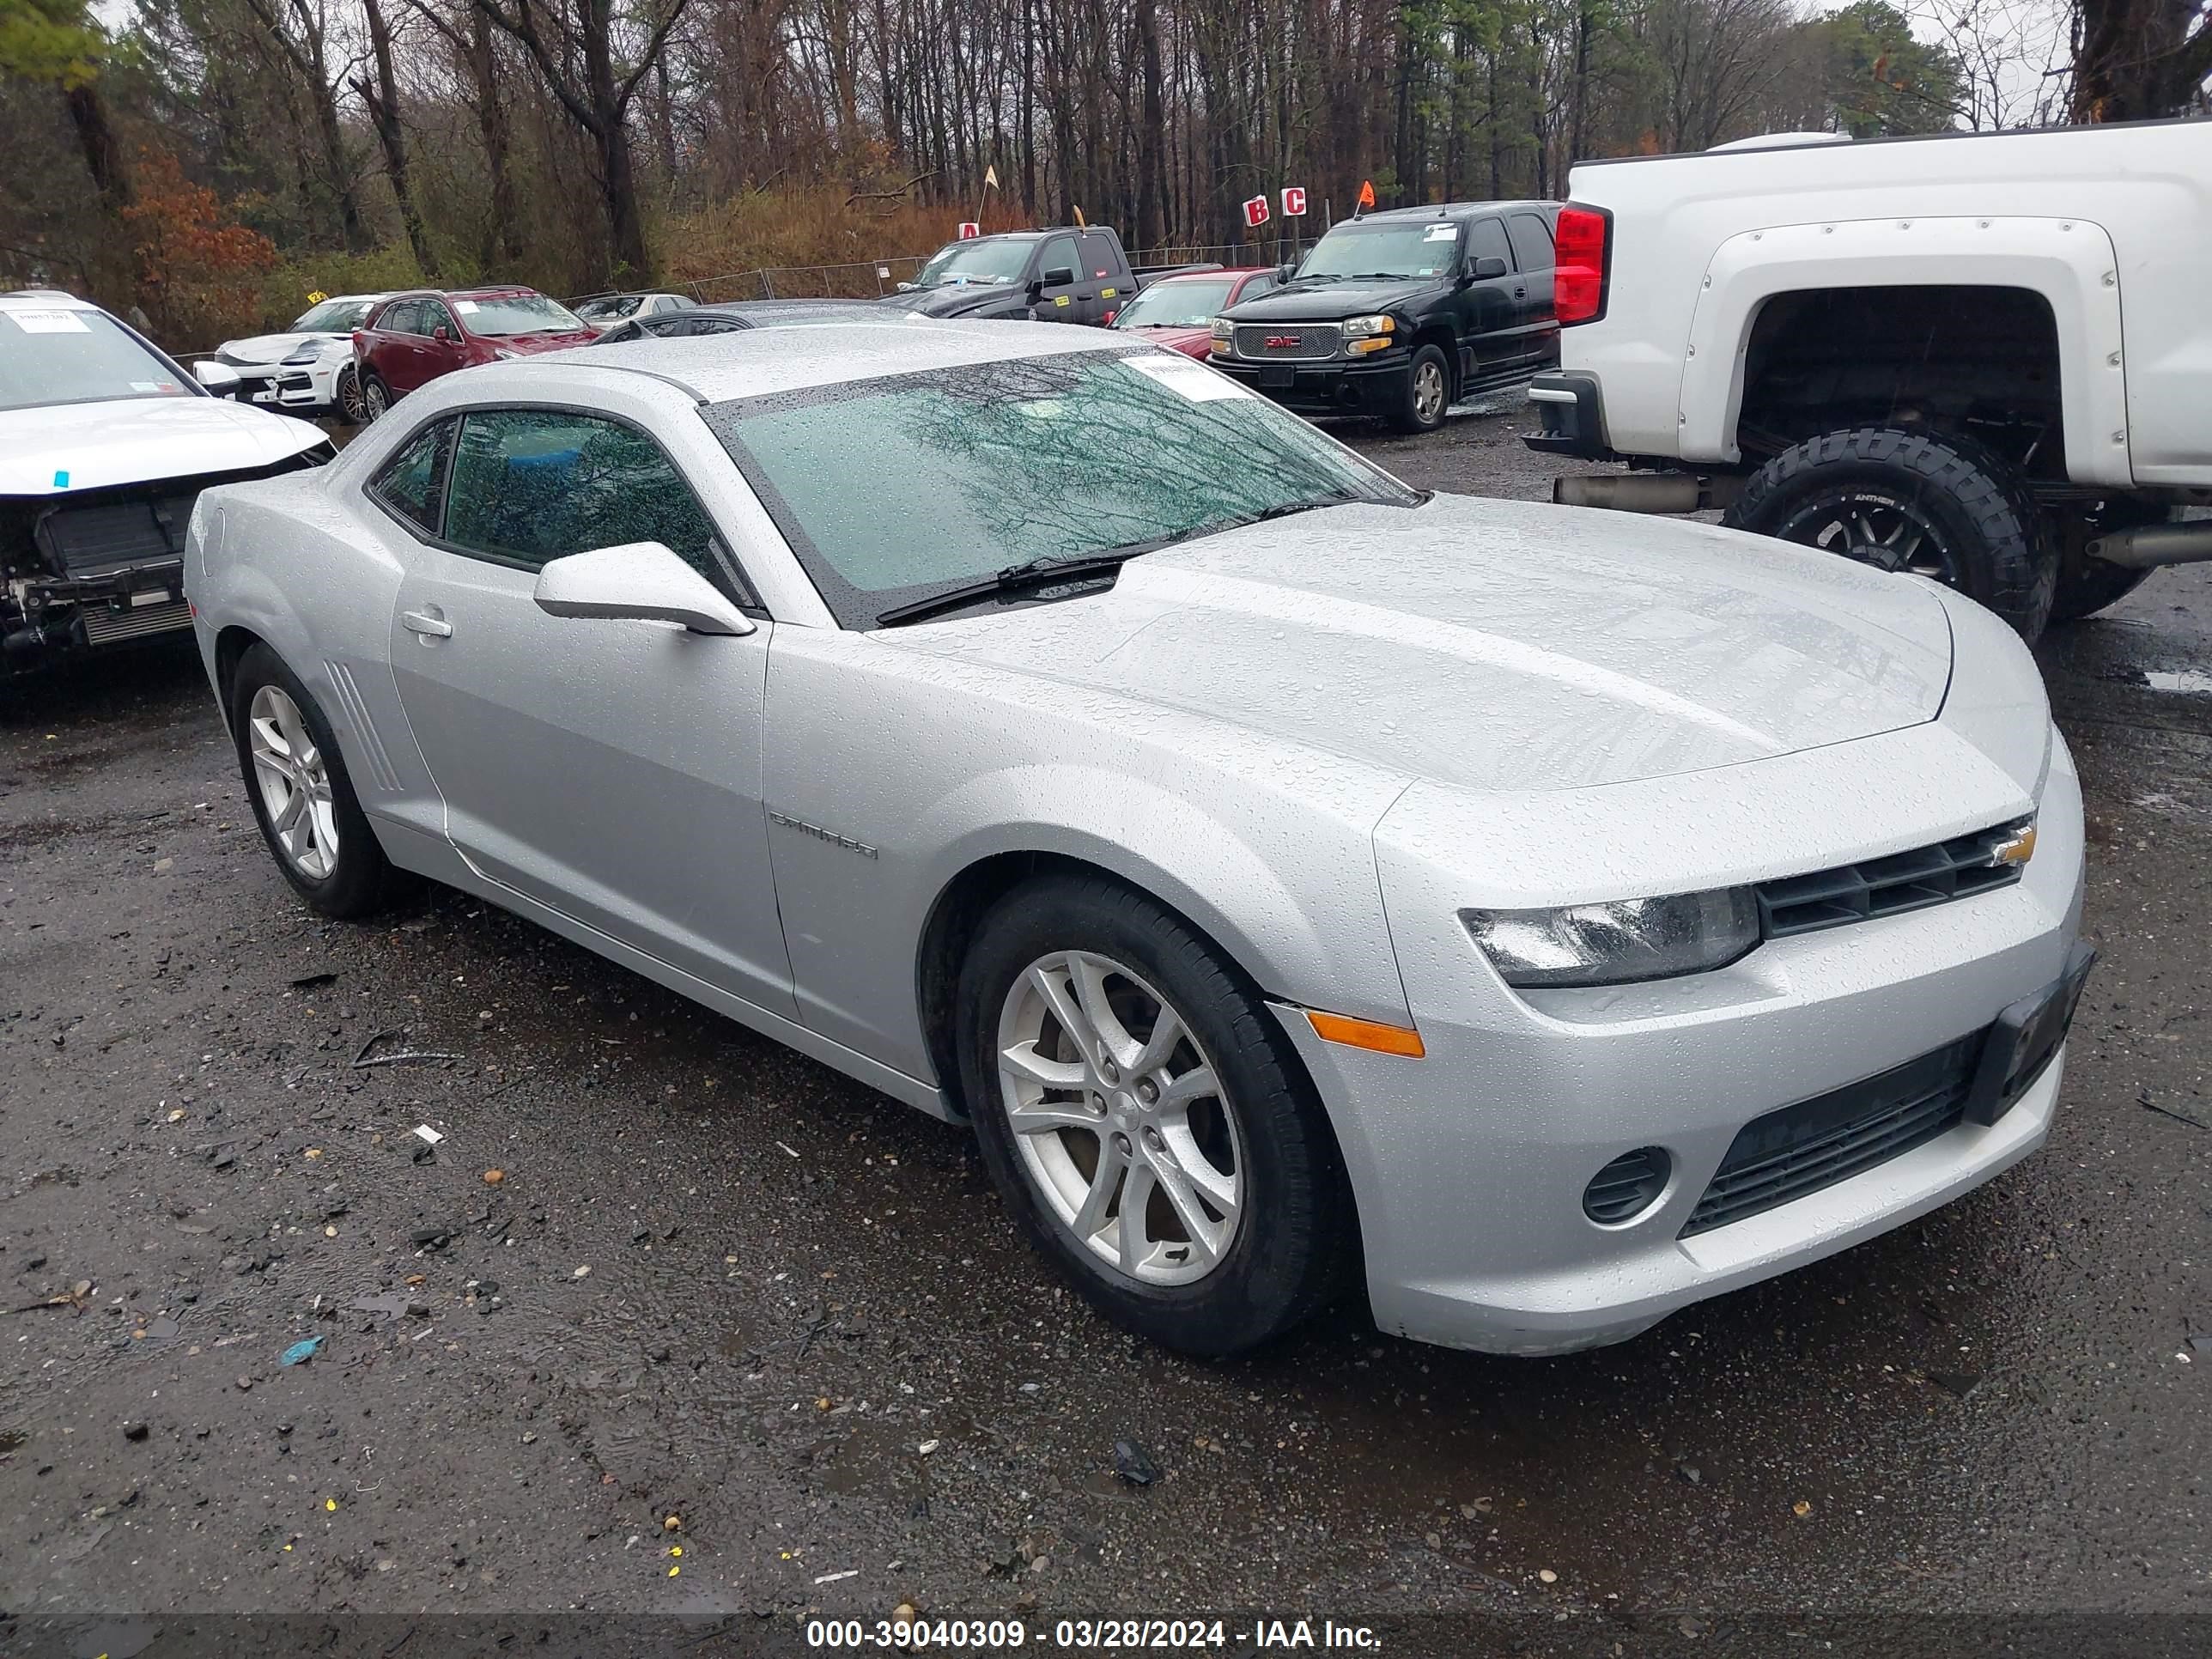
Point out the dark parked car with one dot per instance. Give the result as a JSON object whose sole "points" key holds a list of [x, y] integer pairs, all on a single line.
{"points": [[411, 339], [1068, 274], [1401, 314], [738, 313], [1178, 312]]}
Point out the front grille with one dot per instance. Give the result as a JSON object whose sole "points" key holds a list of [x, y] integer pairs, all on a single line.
{"points": [[103, 626], [1287, 341], [1885, 886], [296, 380], [1799, 1149]]}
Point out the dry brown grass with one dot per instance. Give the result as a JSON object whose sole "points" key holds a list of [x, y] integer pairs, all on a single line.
{"points": [[793, 232]]}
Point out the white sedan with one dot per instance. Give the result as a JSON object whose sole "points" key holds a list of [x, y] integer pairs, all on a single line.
{"points": [[1548, 918]]}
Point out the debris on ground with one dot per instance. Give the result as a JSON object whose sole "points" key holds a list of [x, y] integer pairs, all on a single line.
{"points": [[361, 1060], [1134, 1464], [302, 1351]]}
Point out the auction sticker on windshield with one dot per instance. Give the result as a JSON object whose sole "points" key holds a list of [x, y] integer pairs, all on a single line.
{"points": [[1195, 380], [47, 322]]}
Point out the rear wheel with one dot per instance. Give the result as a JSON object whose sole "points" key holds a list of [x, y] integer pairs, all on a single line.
{"points": [[2087, 585], [1936, 504], [303, 798], [1427, 393], [1147, 1125], [375, 397]]}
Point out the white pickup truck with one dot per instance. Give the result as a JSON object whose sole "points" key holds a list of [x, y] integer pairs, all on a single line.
{"points": [[1985, 358]]}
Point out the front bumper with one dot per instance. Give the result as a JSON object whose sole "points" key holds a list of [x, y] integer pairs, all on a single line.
{"points": [[298, 387], [1335, 386], [1468, 1166]]}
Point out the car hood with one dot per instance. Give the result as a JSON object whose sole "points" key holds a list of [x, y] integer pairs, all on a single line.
{"points": [[1494, 646], [956, 299], [1330, 302], [271, 348], [1192, 342], [529, 345], [137, 439]]}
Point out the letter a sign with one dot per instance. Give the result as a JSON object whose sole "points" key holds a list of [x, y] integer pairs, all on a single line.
{"points": [[1294, 202], [1256, 212]]}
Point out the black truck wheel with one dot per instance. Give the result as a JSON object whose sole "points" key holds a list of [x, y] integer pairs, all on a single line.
{"points": [[1427, 393], [2087, 585], [1935, 504]]}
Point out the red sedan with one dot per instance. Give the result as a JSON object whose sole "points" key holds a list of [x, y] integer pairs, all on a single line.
{"points": [[1178, 312], [411, 339]]}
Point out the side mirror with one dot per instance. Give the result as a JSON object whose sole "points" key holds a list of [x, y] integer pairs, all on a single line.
{"points": [[1058, 276], [218, 378], [442, 333], [1488, 267], [1286, 272], [638, 580]]}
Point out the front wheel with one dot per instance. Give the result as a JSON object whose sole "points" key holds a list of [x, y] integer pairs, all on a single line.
{"points": [[353, 409], [1427, 394], [1933, 504], [1147, 1125], [303, 798]]}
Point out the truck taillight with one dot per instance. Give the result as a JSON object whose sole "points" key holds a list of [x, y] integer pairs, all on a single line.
{"points": [[1583, 237]]}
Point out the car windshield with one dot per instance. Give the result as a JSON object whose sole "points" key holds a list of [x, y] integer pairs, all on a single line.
{"points": [[68, 356], [987, 259], [1420, 249], [1186, 302], [517, 313], [609, 306], [333, 317], [897, 489]]}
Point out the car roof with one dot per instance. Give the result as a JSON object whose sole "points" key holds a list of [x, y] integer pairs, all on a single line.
{"points": [[1443, 210], [42, 299], [1213, 274], [754, 362]]}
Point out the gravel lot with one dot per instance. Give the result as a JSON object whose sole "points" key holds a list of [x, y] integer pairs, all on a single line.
{"points": [[665, 1286]]}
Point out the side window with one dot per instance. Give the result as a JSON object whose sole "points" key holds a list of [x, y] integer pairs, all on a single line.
{"points": [[534, 484], [1097, 265], [1255, 287], [431, 316], [398, 318], [1060, 251], [412, 483], [1532, 241], [1486, 240]]}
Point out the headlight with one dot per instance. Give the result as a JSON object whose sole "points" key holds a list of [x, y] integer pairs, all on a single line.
{"points": [[504, 355], [1222, 328], [1619, 942], [1361, 328]]}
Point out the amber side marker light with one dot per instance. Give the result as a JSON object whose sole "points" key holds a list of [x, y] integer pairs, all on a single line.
{"points": [[1365, 1034]]}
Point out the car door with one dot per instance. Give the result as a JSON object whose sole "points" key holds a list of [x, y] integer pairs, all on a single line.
{"points": [[1098, 286], [1055, 301], [1490, 328], [440, 357], [391, 350], [607, 769], [1533, 258]]}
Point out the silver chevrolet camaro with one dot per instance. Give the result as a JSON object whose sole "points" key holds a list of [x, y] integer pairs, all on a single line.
{"points": [[1551, 918]]}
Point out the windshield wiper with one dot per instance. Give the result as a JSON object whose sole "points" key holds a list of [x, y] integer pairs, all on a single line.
{"points": [[1032, 573]]}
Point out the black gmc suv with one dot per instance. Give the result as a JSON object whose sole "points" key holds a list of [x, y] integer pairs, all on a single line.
{"points": [[1401, 314]]}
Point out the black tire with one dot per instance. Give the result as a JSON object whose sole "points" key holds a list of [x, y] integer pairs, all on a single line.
{"points": [[2087, 585], [375, 397], [346, 395], [359, 880], [1967, 516], [1293, 1244], [1418, 409]]}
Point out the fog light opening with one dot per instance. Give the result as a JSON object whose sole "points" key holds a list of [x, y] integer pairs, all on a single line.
{"points": [[1627, 1187]]}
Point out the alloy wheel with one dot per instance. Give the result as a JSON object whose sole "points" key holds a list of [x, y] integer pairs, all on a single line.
{"points": [[294, 783], [351, 406], [375, 400], [1428, 392], [1123, 1126], [1878, 530]]}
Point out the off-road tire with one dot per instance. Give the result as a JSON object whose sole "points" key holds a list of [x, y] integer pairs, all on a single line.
{"points": [[2087, 585], [1990, 534], [362, 881], [1293, 1251]]}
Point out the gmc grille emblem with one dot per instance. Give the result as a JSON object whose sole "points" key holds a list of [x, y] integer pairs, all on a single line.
{"points": [[1285, 342]]}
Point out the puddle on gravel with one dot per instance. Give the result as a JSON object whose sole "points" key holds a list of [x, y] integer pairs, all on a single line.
{"points": [[2190, 681]]}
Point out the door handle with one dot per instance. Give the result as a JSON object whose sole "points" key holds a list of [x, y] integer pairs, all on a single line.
{"points": [[1520, 293], [415, 623]]}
